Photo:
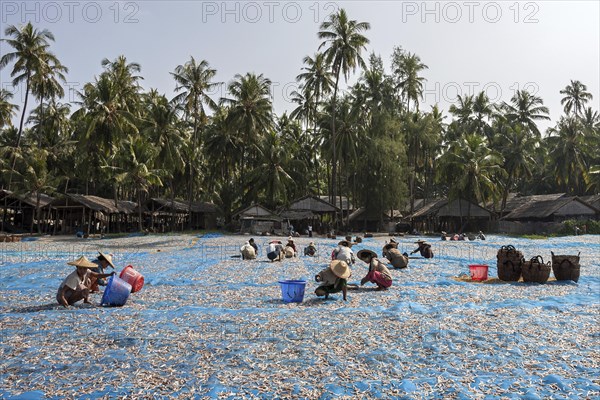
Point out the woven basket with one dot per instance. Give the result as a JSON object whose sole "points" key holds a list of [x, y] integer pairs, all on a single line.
{"points": [[510, 263], [535, 270], [565, 268]]}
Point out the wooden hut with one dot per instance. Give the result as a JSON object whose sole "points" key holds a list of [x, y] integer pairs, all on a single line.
{"points": [[345, 206], [457, 215], [166, 215], [257, 219], [557, 210], [24, 212], [363, 220], [204, 215], [93, 214], [515, 200], [309, 210]]}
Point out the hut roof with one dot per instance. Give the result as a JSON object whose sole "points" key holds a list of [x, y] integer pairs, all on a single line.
{"points": [[314, 204], [362, 214], [181, 206], [170, 205], [106, 206], [563, 206], [27, 198], [296, 215], [451, 208], [344, 205], [594, 200], [428, 209], [257, 211], [203, 207], [517, 201], [418, 204]]}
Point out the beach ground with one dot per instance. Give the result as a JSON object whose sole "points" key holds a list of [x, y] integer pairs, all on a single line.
{"points": [[208, 325]]}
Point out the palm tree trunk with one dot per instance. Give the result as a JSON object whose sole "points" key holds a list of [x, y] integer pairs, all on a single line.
{"points": [[139, 196], [333, 139], [315, 115], [37, 211], [41, 117], [193, 159], [14, 161], [506, 191]]}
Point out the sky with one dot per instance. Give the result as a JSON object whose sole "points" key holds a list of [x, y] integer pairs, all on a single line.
{"points": [[469, 46]]}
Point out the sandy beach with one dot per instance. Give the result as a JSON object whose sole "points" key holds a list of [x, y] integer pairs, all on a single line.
{"points": [[207, 325]]}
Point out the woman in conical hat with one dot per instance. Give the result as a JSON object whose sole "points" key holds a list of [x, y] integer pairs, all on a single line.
{"points": [[424, 248], [310, 250], [378, 273], [102, 262], [397, 259], [76, 286], [334, 279]]}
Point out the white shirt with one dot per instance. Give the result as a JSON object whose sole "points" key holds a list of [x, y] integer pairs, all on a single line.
{"points": [[345, 254], [74, 282]]}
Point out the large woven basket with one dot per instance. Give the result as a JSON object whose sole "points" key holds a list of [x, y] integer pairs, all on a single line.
{"points": [[565, 268], [535, 270], [510, 262]]}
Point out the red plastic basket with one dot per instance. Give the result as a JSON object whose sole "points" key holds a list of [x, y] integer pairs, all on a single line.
{"points": [[479, 272]]}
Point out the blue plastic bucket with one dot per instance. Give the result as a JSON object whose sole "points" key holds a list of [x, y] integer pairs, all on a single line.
{"points": [[116, 292], [292, 291]]}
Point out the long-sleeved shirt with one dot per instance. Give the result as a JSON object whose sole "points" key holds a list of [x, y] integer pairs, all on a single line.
{"points": [[345, 254], [380, 267]]}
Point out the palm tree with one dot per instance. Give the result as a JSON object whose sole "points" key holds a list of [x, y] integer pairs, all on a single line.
{"points": [[526, 109], [223, 147], [163, 128], [50, 123], [102, 123], [471, 168], [35, 177], [568, 154], [343, 43], [483, 111], [407, 67], [46, 84], [304, 111], [518, 149], [317, 81], [276, 172], [7, 110], [125, 78], [250, 112], [31, 55], [195, 82], [139, 173], [576, 97]]}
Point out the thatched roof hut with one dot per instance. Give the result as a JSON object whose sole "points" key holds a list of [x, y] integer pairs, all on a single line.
{"points": [[344, 206], [516, 201], [368, 220], [256, 211], [451, 216], [257, 219], [314, 204], [555, 210], [93, 214], [21, 210], [176, 214]]}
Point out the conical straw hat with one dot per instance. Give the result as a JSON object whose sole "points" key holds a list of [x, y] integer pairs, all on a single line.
{"points": [[365, 253], [340, 269], [108, 258], [82, 262]]}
